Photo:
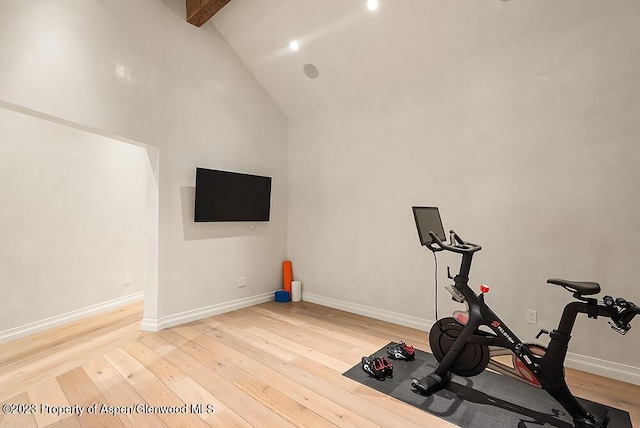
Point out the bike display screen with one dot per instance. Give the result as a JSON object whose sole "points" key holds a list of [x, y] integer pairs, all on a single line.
{"points": [[428, 220]]}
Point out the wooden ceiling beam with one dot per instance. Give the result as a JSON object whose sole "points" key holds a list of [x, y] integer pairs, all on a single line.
{"points": [[200, 11]]}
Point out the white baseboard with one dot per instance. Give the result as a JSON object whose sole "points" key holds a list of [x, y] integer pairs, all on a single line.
{"points": [[58, 320], [368, 311], [584, 363], [207, 311], [604, 368]]}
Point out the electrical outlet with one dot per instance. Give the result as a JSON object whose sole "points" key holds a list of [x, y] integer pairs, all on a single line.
{"points": [[335, 281], [127, 279], [242, 281], [532, 316]]}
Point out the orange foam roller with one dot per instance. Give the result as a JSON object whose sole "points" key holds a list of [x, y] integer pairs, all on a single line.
{"points": [[287, 275]]}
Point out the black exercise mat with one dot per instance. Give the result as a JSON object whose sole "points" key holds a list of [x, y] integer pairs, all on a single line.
{"points": [[486, 400]]}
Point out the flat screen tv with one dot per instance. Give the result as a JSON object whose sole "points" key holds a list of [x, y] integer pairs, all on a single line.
{"points": [[231, 196]]}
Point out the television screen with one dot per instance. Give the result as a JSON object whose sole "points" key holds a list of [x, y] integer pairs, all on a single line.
{"points": [[231, 196]]}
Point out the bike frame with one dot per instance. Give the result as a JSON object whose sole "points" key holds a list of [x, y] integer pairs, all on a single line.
{"points": [[547, 369]]}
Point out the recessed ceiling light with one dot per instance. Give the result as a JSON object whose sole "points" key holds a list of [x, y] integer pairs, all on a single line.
{"points": [[372, 5], [294, 45]]}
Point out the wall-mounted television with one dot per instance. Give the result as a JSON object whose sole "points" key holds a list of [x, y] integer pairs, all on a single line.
{"points": [[231, 196]]}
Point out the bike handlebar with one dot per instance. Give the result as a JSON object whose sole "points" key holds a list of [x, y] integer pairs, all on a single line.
{"points": [[458, 245], [627, 314], [621, 322]]}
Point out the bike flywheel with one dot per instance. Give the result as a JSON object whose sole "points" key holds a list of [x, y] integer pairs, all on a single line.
{"points": [[472, 359]]}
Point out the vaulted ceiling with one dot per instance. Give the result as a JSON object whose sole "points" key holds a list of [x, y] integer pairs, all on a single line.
{"points": [[347, 51]]}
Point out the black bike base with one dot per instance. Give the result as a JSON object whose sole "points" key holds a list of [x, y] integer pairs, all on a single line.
{"points": [[486, 400]]}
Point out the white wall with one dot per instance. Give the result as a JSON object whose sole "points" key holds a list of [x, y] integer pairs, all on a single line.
{"points": [[531, 142], [139, 71], [530, 149], [79, 212]]}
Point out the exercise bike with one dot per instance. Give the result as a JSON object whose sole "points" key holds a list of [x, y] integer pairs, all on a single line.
{"points": [[461, 347]]}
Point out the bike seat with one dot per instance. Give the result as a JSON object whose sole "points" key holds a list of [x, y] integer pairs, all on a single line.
{"points": [[581, 287]]}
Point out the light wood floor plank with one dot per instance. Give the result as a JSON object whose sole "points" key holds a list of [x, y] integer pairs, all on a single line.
{"points": [[70, 422], [275, 365], [259, 388], [119, 394], [227, 418], [207, 376], [151, 389], [33, 347], [331, 384], [181, 384], [50, 399], [80, 390], [18, 418], [331, 345], [72, 345], [301, 348], [328, 409]]}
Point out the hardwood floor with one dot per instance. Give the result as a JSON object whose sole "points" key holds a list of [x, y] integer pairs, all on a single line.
{"points": [[269, 365]]}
